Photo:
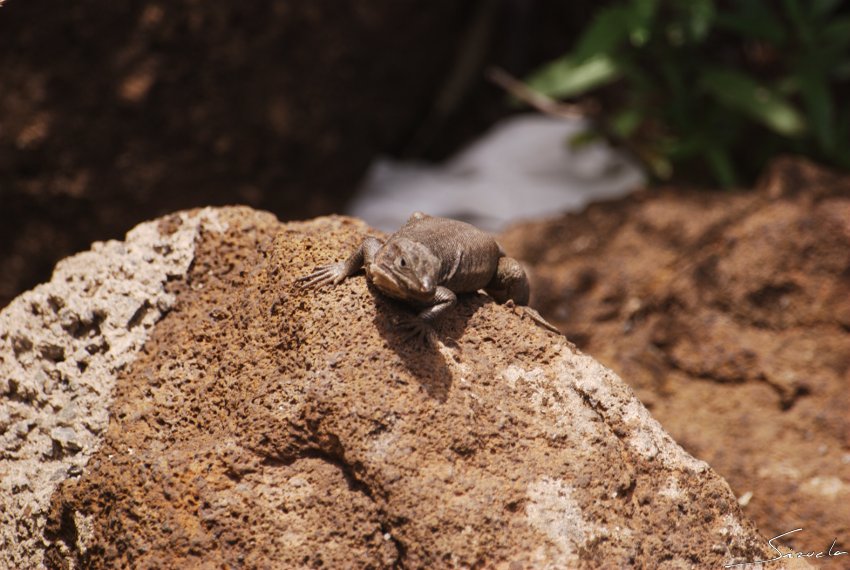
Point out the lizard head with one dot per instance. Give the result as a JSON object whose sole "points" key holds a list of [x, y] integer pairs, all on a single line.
{"points": [[406, 270]]}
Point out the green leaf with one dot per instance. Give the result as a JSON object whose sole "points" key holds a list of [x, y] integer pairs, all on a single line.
{"points": [[615, 27], [836, 32], [658, 164], [610, 29], [700, 15], [740, 92], [841, 154], [841, 71], [788, 85], [822, 8], [821, 111], [626, 122], [644, 10], [584, 139], [799, 18], [794, 11], [721, 166], [753, 20], [565, 77], [641, 21]]}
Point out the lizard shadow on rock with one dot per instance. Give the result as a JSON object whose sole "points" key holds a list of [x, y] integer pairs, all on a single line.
{"points": [[424, 360]]}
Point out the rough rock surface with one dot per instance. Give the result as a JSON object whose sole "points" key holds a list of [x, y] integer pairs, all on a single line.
{"points": [[61, 347], [265, 426], [729, 314]]}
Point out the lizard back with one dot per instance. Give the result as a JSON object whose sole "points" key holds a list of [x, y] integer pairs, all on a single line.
{"points": [[468, 256]]}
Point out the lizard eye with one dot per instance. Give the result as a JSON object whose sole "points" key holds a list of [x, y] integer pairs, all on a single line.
{"points": [[402, 262]]}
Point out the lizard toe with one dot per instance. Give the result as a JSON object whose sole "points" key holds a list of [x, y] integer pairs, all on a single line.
{"points": [[416, 332], [321, 276]]}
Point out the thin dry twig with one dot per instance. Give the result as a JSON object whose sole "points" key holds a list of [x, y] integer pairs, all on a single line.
{"points": [[537, 100], [588, 109]]}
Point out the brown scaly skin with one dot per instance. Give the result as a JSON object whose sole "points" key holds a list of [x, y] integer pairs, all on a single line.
{"points": [[428, 261]]}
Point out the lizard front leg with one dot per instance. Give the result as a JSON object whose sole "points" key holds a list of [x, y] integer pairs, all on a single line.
{"points": [[335, 273], [444, 299], [419, 327]]}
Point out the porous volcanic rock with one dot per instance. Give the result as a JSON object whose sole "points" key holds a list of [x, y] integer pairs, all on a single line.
{"points": [[261, 425], [729, 314], [61, 347]]}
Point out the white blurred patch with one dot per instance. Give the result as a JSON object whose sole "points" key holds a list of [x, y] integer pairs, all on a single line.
{"points": [[522, 168]]}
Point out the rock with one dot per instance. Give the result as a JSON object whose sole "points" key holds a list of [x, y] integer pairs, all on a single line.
{"points": [[87, 325], [66, 439], [729, 314], [261, 425]]}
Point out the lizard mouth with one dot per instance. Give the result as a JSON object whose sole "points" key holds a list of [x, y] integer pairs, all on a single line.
{"points": [[385, 281], [394, 285]]}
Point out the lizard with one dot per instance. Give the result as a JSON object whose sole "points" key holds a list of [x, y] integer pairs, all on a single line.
{"points": [[427, 262]]}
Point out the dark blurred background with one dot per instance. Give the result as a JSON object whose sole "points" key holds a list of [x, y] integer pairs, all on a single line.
{"points": [[114, 113]]}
